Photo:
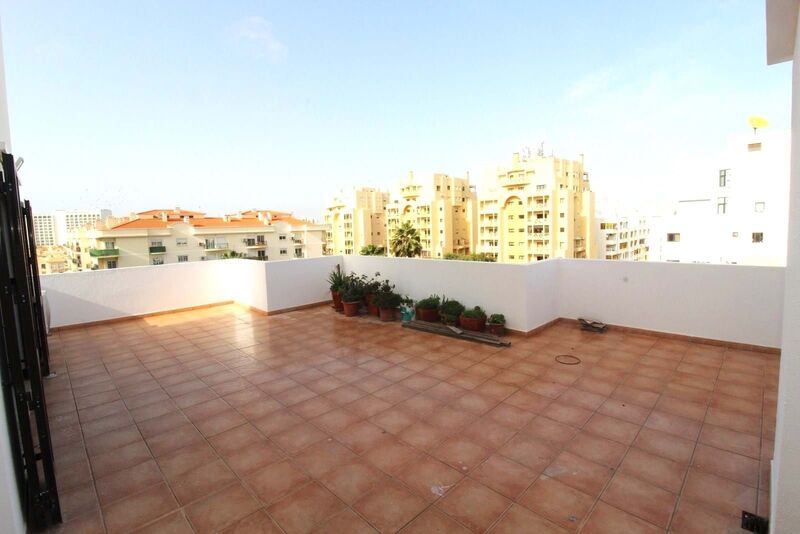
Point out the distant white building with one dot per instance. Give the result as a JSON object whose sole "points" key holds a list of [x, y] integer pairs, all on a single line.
{"points": [[44, 230], [739, 214], [622, 237]]}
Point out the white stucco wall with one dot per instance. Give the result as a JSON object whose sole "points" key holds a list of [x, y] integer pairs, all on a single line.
{"points": [[283, 289], [785, 479], [735, 303]]}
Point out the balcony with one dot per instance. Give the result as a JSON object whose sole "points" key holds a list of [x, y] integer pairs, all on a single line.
{"points": [[254, 243], [158, 249], [311, 417], [104, 252]]}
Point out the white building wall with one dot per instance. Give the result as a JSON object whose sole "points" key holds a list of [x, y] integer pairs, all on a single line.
{"points": [[785, 477]]}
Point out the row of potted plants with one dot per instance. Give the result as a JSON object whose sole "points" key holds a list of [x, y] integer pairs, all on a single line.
{"points": [[452, 312], [351, 293]]}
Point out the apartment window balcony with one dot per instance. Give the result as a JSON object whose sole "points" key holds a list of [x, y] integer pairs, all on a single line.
{"points": [[158, 249], [104, 252], [254, 243], [214, 245]]}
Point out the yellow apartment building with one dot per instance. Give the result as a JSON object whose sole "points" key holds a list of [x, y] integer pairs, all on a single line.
{"points": [[540, 207], [356, 219], [52, 259], [442, 208], [157, 237]]}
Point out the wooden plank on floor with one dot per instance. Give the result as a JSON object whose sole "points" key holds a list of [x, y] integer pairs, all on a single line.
{"points": [[444, 330]]}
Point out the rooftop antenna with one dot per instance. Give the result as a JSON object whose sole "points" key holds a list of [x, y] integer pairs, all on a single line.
{"points": [[540, 152], [757, 122]]}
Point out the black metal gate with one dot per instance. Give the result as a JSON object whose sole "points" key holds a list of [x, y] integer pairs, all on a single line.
{"points": [[24, 356]]}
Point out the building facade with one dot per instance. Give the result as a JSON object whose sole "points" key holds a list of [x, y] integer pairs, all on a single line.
{"points": [[442, 208], [355, 220], [52, 259], [739, 213], [540, 207], [54, 228], [622, 238], [157, 237], [44, 230]]}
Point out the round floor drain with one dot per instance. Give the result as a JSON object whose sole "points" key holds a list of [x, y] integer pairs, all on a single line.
{"points": [[568, 359]]}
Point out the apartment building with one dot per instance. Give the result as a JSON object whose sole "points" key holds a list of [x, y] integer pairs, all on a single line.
{"points": [[442, 208], [44, 229], [739, 212], [622, 237], [355, 219], [540, 207], [52, 259], [157, 237], [54, 228]]}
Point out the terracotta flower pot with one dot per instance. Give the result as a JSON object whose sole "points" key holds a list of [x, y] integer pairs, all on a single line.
{"points": [[372, 309], [337, 300], [387, 314], [351, 308], [428, 314], [496, 329], [474, 324]]}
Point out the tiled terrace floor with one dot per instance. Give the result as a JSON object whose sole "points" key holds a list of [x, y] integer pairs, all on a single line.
{"points": [[223, 420]]}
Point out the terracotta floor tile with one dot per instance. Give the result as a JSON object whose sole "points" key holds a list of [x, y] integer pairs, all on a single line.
{"points": [[204, 480], [323, 456], [579, 473], [362, 437], [182, 436], [665, 445], [277, 422], [641, 499], [736, 467], [78, 501], [73, 474], [183, 460], [298, 437], [624, 410], [529, 451], [392, 456], [393, 420], [450, 419], [488, 433], [605, 518], [115, 460], [174, 523], [300, 511], [461, 453], [612, 428], [557, 502], [256, 523], [504, 476], [368, 406], [352, 480], [684, 408], [519, 520], [692, 517], [275, 481], [473, 505], [235, 439], [423, 436], [433, 520], [510, 415], [139, 509], [221, 509], [739, 422], [721, 494], [550, 431], [528, 401], [730, 440], [429, 477], [344, 521], [597, 449], [127, 481], [220, 422], [674, 424], [389, 506], [657, 470], [162, 424]]}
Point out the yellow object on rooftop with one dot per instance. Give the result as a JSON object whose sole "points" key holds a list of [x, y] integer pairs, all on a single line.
{"points": [[757, 122]]}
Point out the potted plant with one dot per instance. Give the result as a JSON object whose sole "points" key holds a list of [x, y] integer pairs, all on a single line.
{"points": [[497, 324], [352, 294], [428, 309], [337, 280], [387, 302], [450, 311], [474, 319], [371, 287], [406, 309]]}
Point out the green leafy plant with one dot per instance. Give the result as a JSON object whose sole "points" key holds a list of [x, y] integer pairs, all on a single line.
{"points": [[475, 313], [373, 250], [405, 241], [352, 294], [497, 318], [480, 256], [337, 279], [387, 300], [374, 284], [431, 303], [450, 310]]}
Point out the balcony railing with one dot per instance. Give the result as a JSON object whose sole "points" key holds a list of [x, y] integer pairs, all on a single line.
{"points": [[158, 249], [103, 252]]}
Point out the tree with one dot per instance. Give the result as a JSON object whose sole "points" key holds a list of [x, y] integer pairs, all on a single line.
{"points": [[405, 241], [373, 250]]}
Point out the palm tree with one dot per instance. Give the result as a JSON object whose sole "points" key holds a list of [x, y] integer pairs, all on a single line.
{"points": [[373, 250], [405, 241]]}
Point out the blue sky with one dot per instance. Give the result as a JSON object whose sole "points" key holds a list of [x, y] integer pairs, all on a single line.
{"points": [[227, 105]]}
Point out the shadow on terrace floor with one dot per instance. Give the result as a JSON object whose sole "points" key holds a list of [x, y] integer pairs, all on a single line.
{"points": [[224, 420]]}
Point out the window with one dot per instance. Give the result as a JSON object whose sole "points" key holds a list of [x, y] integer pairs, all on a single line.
{"points": [[262, 254], [183, 259], [157, 243], [510, 243], [561, 229], [157, 260], [673, 238], [758, 237], [181, 241], [111, 264], [760, 207], [754, 147], [283, 252], [723, 177], [735, 235], [722, 205], [282, 237]]}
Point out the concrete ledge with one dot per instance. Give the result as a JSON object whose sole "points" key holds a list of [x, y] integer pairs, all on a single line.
{"points": [[139, 316]]}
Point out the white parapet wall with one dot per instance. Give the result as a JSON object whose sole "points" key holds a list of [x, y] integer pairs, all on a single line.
{"points": [[734, 303], [720, 302]]}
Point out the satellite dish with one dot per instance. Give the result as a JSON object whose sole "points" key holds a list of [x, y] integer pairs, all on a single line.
{"points": [[757, 122]]}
